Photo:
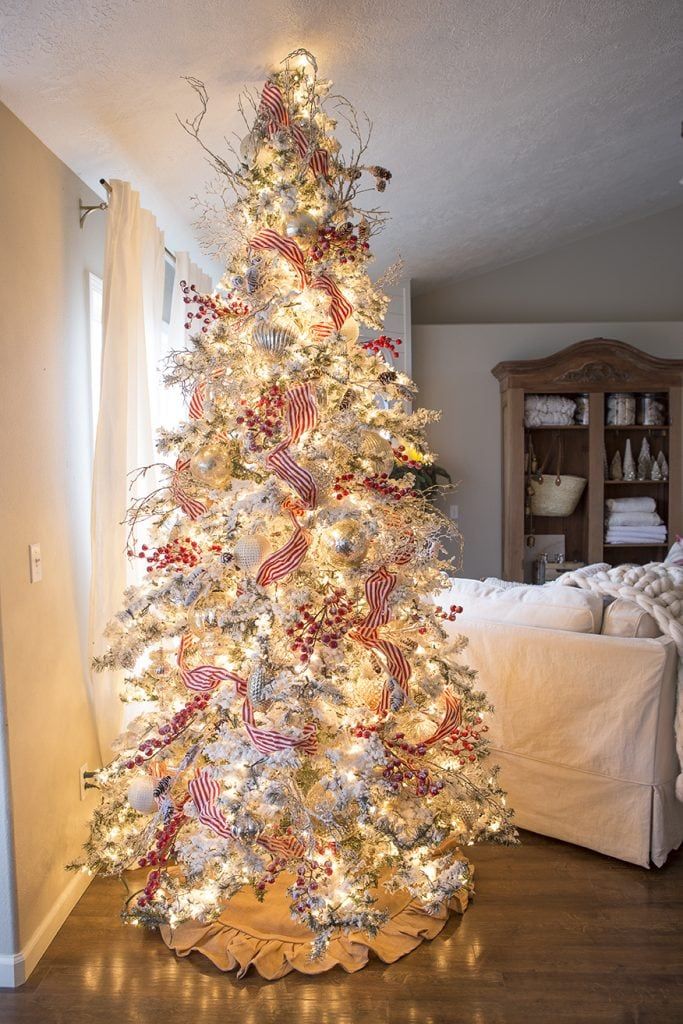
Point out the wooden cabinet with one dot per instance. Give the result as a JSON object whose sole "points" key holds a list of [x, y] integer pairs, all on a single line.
{"points": [[597, 368]]}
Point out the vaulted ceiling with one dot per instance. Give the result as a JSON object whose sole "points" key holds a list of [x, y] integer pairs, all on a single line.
{"points": [[511, 126]]}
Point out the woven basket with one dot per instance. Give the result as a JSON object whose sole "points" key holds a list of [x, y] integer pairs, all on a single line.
{"points": [[552, 499]]}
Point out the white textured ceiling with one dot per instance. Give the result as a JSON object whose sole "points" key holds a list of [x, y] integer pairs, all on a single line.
{"points": [[511, 126]]}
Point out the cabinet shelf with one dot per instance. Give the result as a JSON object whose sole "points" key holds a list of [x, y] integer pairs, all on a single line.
{"points": [[635, 544], [635, 483], [595, 368]]}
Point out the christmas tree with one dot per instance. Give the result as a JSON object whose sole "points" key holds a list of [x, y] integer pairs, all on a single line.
{"points": [[308, 724]]}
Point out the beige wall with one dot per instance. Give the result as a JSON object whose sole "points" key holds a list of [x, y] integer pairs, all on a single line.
{"points": [[633, 272], [452, 367], [46, 446]]}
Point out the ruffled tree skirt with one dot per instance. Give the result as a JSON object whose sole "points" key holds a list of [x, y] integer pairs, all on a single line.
{"points": [[263, 935]]}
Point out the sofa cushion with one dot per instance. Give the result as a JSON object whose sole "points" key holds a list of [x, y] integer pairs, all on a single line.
{"points": [[548, 607], [627, 618]]}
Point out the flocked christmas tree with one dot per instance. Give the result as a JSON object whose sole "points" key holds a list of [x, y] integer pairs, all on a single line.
{"points": [[312, 724]]}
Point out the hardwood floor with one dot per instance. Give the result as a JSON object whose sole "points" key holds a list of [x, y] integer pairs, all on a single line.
{"points": [[556, 934]]}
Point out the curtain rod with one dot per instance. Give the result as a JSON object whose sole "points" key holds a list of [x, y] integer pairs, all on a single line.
{"points": [[85, 210]]}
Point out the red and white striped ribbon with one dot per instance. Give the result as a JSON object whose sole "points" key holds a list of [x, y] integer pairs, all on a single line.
{"points": [[301, 415], [340, 307], [269, 741], [284, 466], [273, 106], [451, 719], [284, 846], [267, 238], [289, 557], [196, 407], [204, 791], [378, 589], [190, 506], [204, 678]]}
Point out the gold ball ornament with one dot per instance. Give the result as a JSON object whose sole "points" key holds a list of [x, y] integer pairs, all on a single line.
{"points": [[271, 339], [301, 227], [346, 542], [249, 552], [378, 450], [349, 330], [211, 466], [140, 794], [324, 475]]}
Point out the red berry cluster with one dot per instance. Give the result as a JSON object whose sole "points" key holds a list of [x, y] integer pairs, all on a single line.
{"points": [[386, 488], [464, 741], [210, 308], [341, 242], [400, 456], [450, 615], [329, 625], [163, 841], [308, 879], [402, 768], [153, 882], [341, 486], [177, 554], [264, 420], [363, 731], [277, 865], [383, 343], [169, 731]]}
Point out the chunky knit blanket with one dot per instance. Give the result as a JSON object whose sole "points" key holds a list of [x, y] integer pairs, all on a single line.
{"points": [[658, 589]]}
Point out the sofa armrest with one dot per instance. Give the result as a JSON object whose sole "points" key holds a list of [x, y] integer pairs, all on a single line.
{"points": [[594, 703]]}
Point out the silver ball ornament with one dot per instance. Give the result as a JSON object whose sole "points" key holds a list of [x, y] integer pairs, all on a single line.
{"points": [[346, 542], [211, 466], [140, 794], [301, 226], [246, 827], [249, 552], [272, 339]]}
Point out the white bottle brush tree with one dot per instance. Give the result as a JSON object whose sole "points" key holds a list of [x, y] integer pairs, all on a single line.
{"points": [[309, 713]]}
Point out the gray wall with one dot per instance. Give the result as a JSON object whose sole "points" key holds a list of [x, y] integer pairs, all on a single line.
{"points": [[45, 456], [633, 272], [452, 367]]}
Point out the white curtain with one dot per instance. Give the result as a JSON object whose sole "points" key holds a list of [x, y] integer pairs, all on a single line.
{"points": [[133, 404]]}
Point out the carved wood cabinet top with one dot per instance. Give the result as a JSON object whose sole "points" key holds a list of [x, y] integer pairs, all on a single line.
{"points": [[597, 364]]}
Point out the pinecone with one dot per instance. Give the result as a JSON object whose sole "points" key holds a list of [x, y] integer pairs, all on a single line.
{"points": [[388, 377], [347, 400]]}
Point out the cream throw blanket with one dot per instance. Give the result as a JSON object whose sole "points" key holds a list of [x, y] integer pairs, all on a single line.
{"points": [[656, 588]]}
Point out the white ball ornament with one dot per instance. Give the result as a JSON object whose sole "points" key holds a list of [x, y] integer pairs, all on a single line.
{"points": [[249, 552], [211, 466], [141, 794], [249, 148]]}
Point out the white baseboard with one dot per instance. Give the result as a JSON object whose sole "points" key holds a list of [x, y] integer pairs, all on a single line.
{"points": [[16, 968]]}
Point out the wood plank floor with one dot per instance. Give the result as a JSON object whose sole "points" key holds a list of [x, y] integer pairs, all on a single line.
{"points": [[556, 934]]}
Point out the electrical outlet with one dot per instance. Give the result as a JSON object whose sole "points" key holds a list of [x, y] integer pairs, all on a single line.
{"points": [[82, 779], [35, 563]]}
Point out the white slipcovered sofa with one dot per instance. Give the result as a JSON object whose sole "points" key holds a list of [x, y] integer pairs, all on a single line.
{"points": [[584, 722]]}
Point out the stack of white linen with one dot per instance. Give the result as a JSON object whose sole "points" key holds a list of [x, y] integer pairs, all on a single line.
{"points": [[633, 521], [548, 410]]}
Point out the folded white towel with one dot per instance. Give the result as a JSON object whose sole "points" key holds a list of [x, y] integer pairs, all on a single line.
{"points": [[625, 536], [631, 504], [633, 519]]}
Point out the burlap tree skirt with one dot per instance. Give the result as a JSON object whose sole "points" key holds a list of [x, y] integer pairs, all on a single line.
{"points": [[263, 935]]}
